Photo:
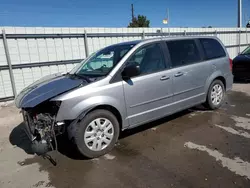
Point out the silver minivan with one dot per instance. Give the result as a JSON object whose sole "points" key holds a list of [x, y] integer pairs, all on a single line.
{"points": [[123, 86]]}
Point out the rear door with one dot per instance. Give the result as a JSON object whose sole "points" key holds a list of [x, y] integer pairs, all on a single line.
{"points": [[189, 72]]}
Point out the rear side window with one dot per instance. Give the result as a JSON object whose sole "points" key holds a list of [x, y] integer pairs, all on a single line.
{"points": [[212, 48], [183, 52]]}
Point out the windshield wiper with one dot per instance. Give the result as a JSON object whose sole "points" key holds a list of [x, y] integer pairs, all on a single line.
{"points": [[80, 76]]}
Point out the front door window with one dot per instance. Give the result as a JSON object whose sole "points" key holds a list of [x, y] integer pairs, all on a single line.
{"points": [[149, 58]]}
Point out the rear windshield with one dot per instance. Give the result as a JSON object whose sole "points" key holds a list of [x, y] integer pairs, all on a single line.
{"points": [[212, 48]]}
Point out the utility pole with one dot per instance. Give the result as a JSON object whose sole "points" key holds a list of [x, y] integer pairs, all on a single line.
{"points": [[132, 10], [239, 13], [245, 19], [168, 15], [168, 22]]}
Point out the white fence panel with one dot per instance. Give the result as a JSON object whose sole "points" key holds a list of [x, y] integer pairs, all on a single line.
{"points": [[2, 54], [49, 49], [6, 84]]}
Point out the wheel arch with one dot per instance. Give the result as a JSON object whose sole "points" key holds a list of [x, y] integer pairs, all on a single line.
{"points": [[222, 79], [111, 109], [71, 128], [209, 101], [215, 76]]}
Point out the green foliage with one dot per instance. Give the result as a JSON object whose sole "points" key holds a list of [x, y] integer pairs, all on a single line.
{"points": [[140, 21]]}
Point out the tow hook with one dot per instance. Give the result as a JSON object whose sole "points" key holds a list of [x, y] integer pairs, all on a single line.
{"points": [[47, 156]]}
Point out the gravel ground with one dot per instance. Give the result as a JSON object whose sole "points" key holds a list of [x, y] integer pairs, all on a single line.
{"points": [[194, 148]]}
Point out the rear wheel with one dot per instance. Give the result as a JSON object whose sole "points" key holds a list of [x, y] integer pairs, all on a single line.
{"points": [[97, 133], [215, 95]]}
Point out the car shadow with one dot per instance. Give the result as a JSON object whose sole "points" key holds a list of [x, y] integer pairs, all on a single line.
{"points": [[19, 138], [67, 148], [144, 127], [241, 81]]}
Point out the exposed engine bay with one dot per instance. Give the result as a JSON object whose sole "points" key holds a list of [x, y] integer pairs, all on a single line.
{"points": [[40, 112], [42, 128]]}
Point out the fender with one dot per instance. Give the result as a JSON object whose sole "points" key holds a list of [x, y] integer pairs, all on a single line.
{"points": [[98, 102], [209, 81], [92, 102], [80, 109], [79, 106]]}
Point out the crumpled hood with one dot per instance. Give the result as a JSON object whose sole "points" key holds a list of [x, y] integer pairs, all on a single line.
{"points": [[46, 88]]}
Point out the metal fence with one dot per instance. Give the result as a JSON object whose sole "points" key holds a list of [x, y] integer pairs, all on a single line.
{"points": [[27, 54]]}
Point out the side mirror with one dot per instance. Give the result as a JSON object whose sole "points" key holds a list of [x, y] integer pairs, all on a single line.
{"points": [[130, 71]]}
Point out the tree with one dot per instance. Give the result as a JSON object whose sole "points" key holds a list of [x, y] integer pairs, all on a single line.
{"points": [[139, 21], [248, 25]]}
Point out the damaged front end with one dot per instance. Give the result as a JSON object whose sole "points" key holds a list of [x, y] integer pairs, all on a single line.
{"points": [[39, 112], [41, 126]]}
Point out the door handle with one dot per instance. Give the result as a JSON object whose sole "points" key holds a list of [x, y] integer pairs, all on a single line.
{"points": [[178, 74], [164, 78]]}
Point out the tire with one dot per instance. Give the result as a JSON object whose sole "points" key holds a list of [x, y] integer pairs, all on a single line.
{"points": [[210, 103], [88, 125]]}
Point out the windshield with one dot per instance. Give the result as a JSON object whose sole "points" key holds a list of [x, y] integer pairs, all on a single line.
{"points": [[246, 51], [103, 61]]}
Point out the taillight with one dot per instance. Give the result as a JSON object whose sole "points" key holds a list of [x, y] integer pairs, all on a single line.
{"points": [[231, 64]]}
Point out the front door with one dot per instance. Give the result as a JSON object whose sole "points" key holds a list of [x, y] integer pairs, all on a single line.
{"points": [[149, 94]]}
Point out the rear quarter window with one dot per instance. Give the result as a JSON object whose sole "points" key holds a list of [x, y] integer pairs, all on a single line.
{"points": [[212, 48]]}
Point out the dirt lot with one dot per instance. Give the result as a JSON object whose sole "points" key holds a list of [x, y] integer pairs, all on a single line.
{"points": [[194, 148]]}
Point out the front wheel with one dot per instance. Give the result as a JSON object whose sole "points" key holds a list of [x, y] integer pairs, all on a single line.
{"points": [[215, 95], [97, 133]]}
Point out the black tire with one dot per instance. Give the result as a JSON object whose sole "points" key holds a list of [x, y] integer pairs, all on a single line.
{"points": [[209, 104], [82, 125]]}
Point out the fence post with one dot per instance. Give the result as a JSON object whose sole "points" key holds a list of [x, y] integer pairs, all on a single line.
{"points": [[246, 35], [239, 40], [86, 43], [143, 35], [7, 53], [185, 33], [215, 33]]}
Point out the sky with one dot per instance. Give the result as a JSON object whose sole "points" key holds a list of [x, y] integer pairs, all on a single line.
{"points": [[117, 13]]}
